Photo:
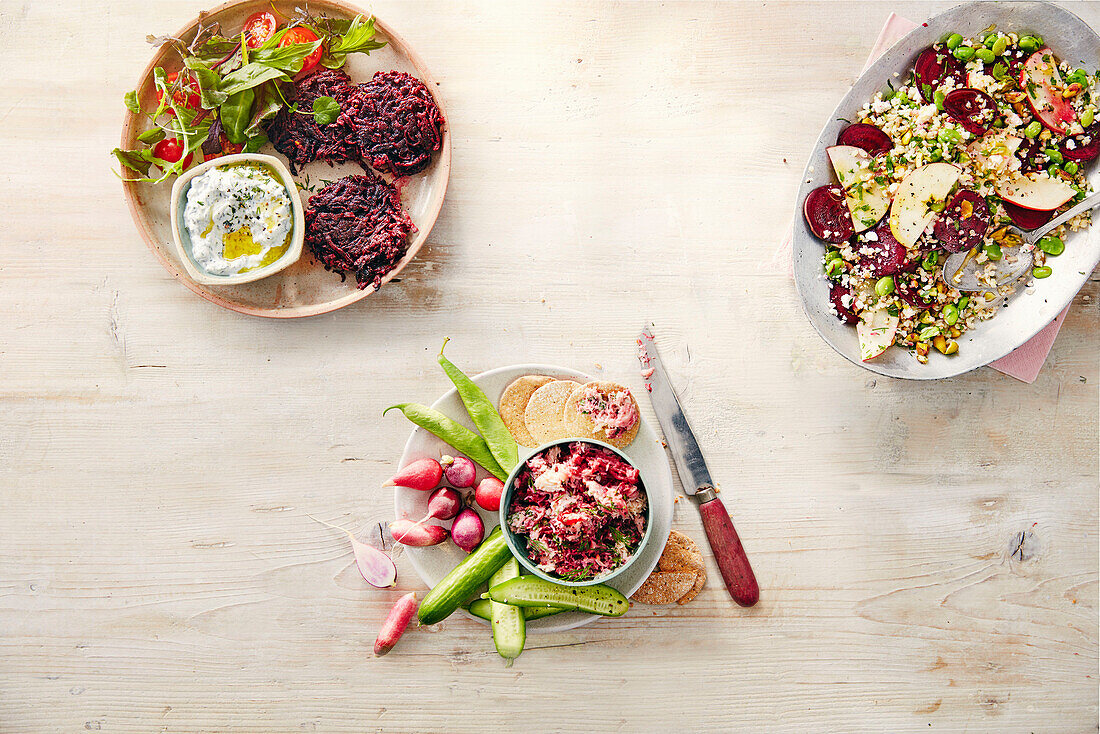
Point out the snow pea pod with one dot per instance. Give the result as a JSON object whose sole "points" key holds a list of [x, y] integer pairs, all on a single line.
{"points": [[484, 415], [455, 434]]}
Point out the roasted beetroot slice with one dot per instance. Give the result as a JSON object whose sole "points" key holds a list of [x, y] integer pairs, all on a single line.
{"points": [[1028, 153], [972, 109], [1086, 146], [827, 214], [964, 222], [868, 137], [884, 256], [1026, 218], [836, 295], [908, 290], [933, 67]]}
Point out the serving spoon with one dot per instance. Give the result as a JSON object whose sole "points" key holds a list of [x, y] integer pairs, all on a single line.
{"points": [[960, 270]]}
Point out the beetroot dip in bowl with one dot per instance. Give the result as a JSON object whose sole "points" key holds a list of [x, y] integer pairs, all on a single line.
{"points": [[576, 512]]}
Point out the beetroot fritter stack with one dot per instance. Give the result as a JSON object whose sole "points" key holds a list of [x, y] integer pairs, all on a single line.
{"points": [[357, 225], [396, 122], [299, 138]]}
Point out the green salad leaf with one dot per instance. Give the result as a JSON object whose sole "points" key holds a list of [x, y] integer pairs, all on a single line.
{"points": [[358, 38], [131, 101], [325, 110]]}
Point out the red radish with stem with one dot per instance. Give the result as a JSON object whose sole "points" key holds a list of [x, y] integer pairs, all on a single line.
{"points": [[460, 471], [422, 474], [376, 567], [417, 535], [444, 504], [467, 530], [487, 494], [397, 621]]}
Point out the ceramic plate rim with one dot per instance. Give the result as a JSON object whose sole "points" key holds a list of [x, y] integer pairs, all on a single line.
{"points": [[131, 127]]}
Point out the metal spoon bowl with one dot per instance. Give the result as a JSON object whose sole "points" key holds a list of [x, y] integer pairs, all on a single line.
{"points": [[960, 270]]}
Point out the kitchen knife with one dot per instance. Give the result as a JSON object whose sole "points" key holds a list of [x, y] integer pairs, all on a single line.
{"points": [[692, 468]]}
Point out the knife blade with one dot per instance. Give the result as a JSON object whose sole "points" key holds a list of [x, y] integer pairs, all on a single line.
{"points": [[695, 476]]}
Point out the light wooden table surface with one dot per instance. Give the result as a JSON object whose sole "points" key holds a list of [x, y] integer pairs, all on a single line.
{"points": [[927, 552]]}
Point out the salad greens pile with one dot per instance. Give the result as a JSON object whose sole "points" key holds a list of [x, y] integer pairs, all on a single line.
{"points": [[238, 89]]}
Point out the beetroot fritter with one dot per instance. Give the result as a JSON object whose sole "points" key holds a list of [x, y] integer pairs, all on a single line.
{"points": [[396, 121], [299, 138], [357, 225]]}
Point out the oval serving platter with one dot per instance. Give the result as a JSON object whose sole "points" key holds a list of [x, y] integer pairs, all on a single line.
{"points": [[305, 288], [1027, 313], [647, 453]]}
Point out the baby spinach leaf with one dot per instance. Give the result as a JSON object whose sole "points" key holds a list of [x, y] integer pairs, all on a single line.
{"points": [[152, 135], [288, 58], [131, 101], [236, 113], [325, 110], [209, 83], [248, 76], [137, 161]]}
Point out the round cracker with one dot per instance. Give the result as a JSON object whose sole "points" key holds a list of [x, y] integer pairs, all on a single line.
{"points": [[513, 403], [664, 587], [543, 414], [681, 554], [700, 582], [580, 425]]}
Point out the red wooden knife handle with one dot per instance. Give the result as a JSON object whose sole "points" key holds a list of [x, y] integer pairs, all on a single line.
{"points": [[728, 552]]}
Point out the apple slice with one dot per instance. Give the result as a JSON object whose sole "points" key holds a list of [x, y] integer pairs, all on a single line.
{"points": [[912, 208], [1037, 191], [1041, 79], [866, 199], [876, 330]]}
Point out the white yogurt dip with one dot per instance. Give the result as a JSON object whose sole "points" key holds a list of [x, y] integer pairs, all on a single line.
{"points": [[238, 217]]}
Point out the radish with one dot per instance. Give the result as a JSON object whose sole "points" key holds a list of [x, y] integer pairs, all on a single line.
{"points": [[396, 622], [460, 471], [422, 474], [417, 535], [488, 493], [467, 530], [376, 567], [443, 504]]}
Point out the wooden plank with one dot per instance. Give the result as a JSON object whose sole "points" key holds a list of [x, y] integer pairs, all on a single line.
{"points": [[927, 552]]}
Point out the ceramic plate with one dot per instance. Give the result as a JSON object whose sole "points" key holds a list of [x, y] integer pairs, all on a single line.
{"points": [[1026, 313], [305, 288], [647, 453]]}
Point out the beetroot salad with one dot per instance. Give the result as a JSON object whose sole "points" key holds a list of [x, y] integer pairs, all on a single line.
{"points": [[581, 509]]}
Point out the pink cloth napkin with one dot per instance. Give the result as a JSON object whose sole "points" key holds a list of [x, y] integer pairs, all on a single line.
{"points": [[1025, 362]]}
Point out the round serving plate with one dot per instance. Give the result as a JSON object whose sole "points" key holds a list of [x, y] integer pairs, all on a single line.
{"points": [[305, 288], [1029, 310], [647, 453]]}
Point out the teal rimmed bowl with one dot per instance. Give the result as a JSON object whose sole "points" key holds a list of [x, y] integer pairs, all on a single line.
{"points": [[518, 544]]}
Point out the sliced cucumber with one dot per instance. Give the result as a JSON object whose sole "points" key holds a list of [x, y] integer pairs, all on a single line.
{"points": [[481, 608], [531, 591], [509, 629], [463, 580]]}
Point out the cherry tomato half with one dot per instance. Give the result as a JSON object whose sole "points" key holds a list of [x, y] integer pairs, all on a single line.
{"points": [[259, 28], [170, 149], [299, 34], [191, 101]]}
